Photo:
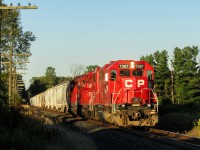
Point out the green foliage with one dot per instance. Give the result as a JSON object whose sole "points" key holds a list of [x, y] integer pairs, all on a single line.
{"points": [[162, 76], [40, 84], [149, 59], [12, 37], [177, 122], [3, 90], [90, 68], [179, 117], [37, 87], [192, 108], [198, 122], [50, 77], [186, 76], [181, 84]]}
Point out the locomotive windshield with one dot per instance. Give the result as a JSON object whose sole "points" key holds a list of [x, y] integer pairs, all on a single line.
{"points": [[137, 72], [125, 72]]}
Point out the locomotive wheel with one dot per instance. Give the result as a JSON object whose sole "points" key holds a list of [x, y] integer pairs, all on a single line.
{"points": [[153, 120], [85, 113]]}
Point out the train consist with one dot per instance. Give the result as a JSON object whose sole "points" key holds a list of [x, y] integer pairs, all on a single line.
{"points": [[120, 92]]}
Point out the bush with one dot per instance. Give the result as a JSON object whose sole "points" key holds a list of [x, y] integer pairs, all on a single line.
{"points": [[190, 108], [177, 122]]}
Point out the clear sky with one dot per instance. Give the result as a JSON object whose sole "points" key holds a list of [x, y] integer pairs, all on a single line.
{"points": [[93, 32]]}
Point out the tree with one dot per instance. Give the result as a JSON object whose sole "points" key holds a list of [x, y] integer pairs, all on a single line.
{"points": [[159, 60], [149, 59], [37, 87], [50, 77], [41, 84], [76, 69], [186, 75], [162, 76], [3, 91], [63, 79], [90, 68], [12, 37]]}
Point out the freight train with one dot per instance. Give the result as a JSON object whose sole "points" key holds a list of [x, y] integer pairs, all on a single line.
{"points": [[120, 92]]}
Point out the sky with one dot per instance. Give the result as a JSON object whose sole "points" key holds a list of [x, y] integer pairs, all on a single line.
{"points": [[94, 32]]}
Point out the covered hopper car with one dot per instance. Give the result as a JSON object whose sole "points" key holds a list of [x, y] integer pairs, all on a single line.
{"points": [[120, 92], [54, 98]]}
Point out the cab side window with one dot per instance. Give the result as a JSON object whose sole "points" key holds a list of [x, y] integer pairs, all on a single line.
{"points": [[150, 79], [149, 75], [113, 74]]}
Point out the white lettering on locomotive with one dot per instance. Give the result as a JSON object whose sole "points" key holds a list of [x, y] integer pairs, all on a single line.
{"points": [[140, 82], [128, 83]]}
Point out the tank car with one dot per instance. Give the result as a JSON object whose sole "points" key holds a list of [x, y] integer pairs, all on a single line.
{"points": [[120, 92]]}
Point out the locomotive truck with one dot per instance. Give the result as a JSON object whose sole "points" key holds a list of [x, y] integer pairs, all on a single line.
{"points": [[120, 92]]}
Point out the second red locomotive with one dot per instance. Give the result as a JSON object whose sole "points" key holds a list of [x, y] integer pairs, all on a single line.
{"points": [[120, 92]]}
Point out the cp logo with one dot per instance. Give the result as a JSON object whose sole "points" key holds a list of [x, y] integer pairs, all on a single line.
{"points": [[129, 83], [140, 82]]}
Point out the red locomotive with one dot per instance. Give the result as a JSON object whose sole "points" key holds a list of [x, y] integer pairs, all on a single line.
{"points": [[120, 92]]}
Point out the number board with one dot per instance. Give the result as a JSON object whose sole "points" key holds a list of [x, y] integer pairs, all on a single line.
{"points": [[139, 66], [123, 66]]}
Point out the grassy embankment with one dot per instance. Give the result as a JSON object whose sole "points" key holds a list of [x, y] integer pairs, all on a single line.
{"points": [[22, 132]]}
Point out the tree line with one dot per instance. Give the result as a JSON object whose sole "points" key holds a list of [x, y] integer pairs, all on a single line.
{"points": [[40, 84], [177, 80]]}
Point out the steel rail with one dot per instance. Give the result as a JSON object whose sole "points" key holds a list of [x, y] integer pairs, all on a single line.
{"points": [[166, 137]]}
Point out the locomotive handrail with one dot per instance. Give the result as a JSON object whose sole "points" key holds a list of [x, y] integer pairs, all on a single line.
{"points": [[113, 109], [113, 102], [149, 94]]}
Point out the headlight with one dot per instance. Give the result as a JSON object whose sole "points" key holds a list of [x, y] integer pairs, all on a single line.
{"points": [[148, 105], [132, 64]]}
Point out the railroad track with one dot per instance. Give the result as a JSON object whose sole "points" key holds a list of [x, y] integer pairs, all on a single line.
{"points": [[170, 138], [179, 141]]}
